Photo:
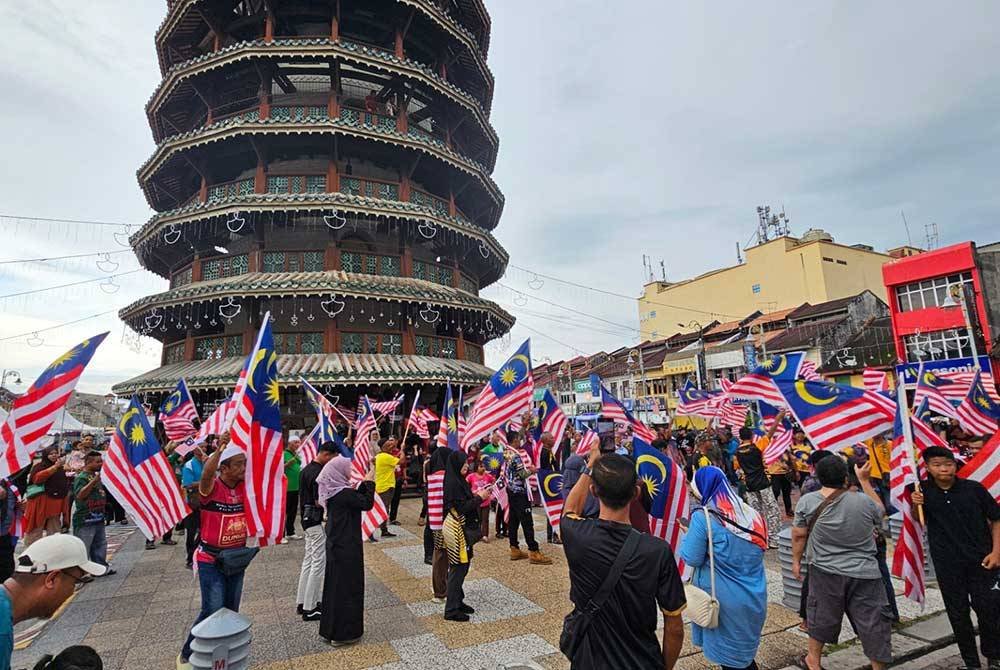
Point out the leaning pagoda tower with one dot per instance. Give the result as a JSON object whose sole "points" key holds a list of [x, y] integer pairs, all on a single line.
{"points": [[328, 162]]}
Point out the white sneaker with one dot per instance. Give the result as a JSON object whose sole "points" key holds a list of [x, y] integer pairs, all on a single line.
{"points": [[439, 601], [283, 540], [294, 536]]}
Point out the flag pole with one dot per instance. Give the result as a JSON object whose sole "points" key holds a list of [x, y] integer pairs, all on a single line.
{"points": [[920, 375], [406, 429], [904, 415]]}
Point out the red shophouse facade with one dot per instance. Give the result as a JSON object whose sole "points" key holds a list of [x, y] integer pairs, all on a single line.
{"points": [[916, 287]]}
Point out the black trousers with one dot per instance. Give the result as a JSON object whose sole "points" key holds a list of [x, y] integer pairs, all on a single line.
{"points": [[291, 508], [455, 593], [113, 511], [397, 493], [499, 525], [752, 666], [192, 526], [781, 485], [6, 557], [962, 585], [520, 515], [428, 542]]}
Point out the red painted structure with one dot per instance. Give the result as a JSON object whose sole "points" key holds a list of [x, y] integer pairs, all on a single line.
{"points": [[939, 263]]}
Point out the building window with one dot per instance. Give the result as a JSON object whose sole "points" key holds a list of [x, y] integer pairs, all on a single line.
{"points": [[228, 266], [755, 288], [439, 274], [827, 259], [371, 343], [298, 343], [173, 353], [350, 343], [372, 264], [293, 261], [840, 262], [230, 190], [929, 292], [182, 278], [218, 346], [298, 183], [473, 353], [441, 347], [937, 346], [468, 284]]}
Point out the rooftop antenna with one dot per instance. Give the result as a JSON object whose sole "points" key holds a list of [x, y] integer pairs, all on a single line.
{"points": [[663, 270], [909, 240], [739, 256], [931, 231], [771, 226]]}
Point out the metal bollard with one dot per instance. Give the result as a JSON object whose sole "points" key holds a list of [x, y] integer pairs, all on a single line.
{"points": [[791, 586], [895, 528], [221, 642]]}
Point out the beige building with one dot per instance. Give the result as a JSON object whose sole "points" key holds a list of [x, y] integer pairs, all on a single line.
{"points": [[780, 274]]}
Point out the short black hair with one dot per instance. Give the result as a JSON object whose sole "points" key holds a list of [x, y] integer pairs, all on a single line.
{"points": [[330, 447], [614, 480], [817, 456], [832, 473], [93, 453], [937, 452], [746, 433], [77, 657]]}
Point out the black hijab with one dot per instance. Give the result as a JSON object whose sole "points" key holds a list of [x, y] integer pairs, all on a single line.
{"points": [[439, 459], [457, 491]]}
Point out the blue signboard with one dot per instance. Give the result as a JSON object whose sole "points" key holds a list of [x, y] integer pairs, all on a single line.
{"points": [[909, 370], [750, 356]]}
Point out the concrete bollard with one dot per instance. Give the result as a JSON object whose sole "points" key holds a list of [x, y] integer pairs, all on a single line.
{"points": [[895, 528], [792, 587], [221, 642]]}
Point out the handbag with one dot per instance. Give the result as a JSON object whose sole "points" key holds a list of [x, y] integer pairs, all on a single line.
{"points": [[578, 621], [33, 491], [234, 561], [703, 608]]}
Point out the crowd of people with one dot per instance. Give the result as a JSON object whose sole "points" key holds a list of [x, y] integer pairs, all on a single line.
{"points": [[619, 573]]}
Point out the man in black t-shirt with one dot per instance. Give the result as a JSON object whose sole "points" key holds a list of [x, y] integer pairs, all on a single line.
{"points": [[314, 561], [623, 632], [963, 530]]}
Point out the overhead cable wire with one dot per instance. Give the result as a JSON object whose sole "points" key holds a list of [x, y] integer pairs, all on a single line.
{"points": [[59, 325], [54, 220], [77, 283], [60, 258]]}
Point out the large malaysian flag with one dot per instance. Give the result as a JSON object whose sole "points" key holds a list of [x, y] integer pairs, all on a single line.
{"points": [[508, 392]]}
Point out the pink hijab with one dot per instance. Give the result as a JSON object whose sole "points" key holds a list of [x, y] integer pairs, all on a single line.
{"points": [[334, 478]]}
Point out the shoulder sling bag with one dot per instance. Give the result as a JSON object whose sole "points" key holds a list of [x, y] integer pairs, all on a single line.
{"points": [[577, 622], [703, 608]]}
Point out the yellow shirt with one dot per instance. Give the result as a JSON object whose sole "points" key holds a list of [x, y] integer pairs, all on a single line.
{"points": [[879, 455], [385, 472], [801, 453]]}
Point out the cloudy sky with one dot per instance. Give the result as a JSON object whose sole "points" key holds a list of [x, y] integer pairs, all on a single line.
{"points": [[627, 128]]}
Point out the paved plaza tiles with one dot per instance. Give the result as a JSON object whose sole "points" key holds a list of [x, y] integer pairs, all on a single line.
{"points": [[139, 617]]}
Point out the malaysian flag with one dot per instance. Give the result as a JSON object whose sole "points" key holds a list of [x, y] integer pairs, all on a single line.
{"points": [[362, 460], [692, 401], [373, 519], [807, 371], [218, 421], [875, 380], [448, 431], [963, 379], [908, 558], [761, 383], [435, 500], [417, 423], [508, 392], [834, 415], [587, 440], [137, 474], [310, 447], [550, 489], [492, 461], [384, 406], [665, 482], [500, 492], [324, 420], [178, 413], [931, 387], [978, 414], [612, 408], [984, 467], [781, 439], [348, 414], [551, 420], [32, 414], [256, 429]]}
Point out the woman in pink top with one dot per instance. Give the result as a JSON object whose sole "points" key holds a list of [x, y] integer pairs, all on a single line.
{"points": [[478, 480]]}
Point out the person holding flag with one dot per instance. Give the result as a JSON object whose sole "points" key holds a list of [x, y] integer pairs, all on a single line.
{"points": [[963, 529], [310, 590], [519, 469], [460, 531]]}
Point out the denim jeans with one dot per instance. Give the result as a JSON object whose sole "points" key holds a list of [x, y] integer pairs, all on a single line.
{"points": [[217, 591], [96, 540]]}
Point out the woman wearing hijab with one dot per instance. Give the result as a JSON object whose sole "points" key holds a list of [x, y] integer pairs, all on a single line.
{"points": [[343, 620], [739, 539], [460, 532]]}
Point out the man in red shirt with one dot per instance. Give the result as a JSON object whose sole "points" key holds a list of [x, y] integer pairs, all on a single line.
{"points": [[223, 527]]}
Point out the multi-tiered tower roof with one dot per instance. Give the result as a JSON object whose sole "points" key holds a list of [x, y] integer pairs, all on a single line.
{"points": [[328, 162]]}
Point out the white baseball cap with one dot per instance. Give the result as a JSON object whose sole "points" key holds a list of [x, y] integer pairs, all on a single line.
{"points": [[57, 552], [230, 451]]}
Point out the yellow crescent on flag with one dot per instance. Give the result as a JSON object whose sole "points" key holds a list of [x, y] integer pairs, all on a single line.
{"points": [[800, 388]]}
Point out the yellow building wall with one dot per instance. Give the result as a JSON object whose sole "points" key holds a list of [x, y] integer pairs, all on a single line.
{"points": [[786, 273]]}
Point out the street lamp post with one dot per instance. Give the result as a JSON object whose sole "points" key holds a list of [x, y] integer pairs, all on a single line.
{"points": [[642, 371], [10, 373]]}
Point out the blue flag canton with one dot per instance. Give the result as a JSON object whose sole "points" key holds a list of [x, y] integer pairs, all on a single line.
{"points": [[690, 393], [262, 382], [176, 399], [492, 461], [136, 435], [551, 483], [982, 400], [655, 471], [78, 356], [513, 373], [781, 366], [928, 378]]}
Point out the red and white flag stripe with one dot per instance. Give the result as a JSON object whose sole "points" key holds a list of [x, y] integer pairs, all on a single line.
{"points": [[984, 467], [435, 500], [373, 518], [669, 527], [587, 441], [875, 380], [490, 412], [149, 493]]}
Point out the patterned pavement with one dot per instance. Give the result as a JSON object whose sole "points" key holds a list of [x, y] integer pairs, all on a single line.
{"points": [[139, 617]]}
